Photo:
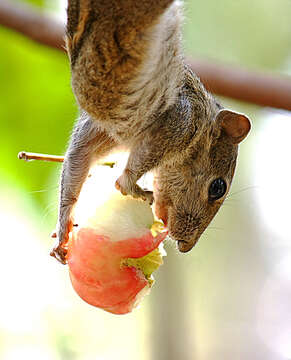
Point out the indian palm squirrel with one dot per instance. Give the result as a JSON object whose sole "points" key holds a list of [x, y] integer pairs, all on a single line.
{"points": [[134, 89]]}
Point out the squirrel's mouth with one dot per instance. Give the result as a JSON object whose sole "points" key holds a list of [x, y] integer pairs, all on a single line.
{"points": [[186, 245], [161, 212]]}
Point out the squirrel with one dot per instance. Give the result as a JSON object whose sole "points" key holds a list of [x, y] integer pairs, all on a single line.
{"points": [[134, 89]]}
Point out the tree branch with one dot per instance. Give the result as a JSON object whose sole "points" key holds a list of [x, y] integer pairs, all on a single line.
{"points": [[259, 88], [32, 23], [254, 87]]}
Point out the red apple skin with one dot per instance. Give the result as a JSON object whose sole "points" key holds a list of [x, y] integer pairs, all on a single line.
{"points": [[96, 272]]}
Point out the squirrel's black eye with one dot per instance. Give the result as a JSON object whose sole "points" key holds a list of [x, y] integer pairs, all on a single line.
{"points": [[217, 189]]}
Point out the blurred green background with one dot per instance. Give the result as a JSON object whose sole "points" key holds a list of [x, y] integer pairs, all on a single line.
{"points": [[227, 299]]}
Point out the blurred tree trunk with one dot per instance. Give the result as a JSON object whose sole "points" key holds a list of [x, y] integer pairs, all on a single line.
{"points": [[171, 329]]}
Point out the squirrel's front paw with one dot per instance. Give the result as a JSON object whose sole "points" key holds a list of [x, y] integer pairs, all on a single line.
{"points": [[128, 187], [60, 253], [60, 249]]}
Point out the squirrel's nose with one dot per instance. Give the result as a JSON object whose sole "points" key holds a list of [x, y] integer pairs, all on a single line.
{"points": [[185, 246]]}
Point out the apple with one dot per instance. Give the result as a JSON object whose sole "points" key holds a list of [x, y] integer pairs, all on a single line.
{"points": [[112, 256]]}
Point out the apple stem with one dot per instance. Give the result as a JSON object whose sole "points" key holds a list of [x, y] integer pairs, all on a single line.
{"points": [[28, 156]]}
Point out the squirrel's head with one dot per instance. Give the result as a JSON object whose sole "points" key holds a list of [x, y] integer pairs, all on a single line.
{"points": [[189, 194]]}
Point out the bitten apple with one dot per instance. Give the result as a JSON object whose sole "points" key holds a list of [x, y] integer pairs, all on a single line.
{"points": [[112, 255]]}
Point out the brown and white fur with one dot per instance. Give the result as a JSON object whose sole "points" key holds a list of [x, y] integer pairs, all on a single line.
{"points": [[134, 90]]}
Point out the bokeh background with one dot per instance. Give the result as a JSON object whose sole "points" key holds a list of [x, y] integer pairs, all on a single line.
{"points": [[230, 298]]}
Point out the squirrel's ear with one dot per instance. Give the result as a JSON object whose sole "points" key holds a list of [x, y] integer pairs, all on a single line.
{"points": [[235, 125]]}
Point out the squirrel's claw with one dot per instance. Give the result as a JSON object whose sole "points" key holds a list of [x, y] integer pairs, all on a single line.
{"points": [[60, 254], [148, 196], [127, 187], [60, 249]]}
